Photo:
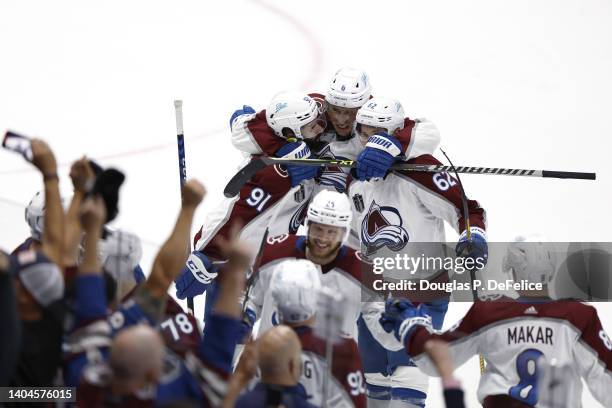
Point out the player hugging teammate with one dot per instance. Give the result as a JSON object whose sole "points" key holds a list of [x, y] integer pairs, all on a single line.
{"points": [[370, 209], [345, 123], [298, 323]]}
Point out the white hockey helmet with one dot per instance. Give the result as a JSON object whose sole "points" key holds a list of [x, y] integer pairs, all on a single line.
{"points": [[34, 215], [331, 208], [295, 288], [383, 113], [119, 253], [530, 258], [349, 88], [291, 110]]}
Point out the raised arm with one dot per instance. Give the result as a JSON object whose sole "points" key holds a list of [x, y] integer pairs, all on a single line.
{"points": [[172, 255], [82, 177], [92, 215], [53, 233]]}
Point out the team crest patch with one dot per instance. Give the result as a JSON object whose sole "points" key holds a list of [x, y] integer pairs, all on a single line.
{"points": [[298, 218], [382, 227], [332, 175]]}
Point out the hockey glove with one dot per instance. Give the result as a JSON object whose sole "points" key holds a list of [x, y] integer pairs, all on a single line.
{"points": [[298, 150], [246, 326], [402, 318], [246, 110], [198, 272], [475, 249], [378, 156]]}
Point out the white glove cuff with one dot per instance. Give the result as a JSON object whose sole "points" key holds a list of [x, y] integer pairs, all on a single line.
{"points": [[384, 144], [408, 324], [474, 231]]}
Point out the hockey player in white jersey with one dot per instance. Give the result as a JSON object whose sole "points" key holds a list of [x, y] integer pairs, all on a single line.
{"points": [[275, 199], [392, 211], [382, 137], [341, 268], [518, 338], [295, 288], [348, 91]]}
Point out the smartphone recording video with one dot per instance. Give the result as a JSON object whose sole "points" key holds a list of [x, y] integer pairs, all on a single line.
{"points": [[19, 144]]}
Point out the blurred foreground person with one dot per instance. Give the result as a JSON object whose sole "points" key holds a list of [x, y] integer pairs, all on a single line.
{"points": [[39, 285], [199, 374], [295, 290], [279, 353]]}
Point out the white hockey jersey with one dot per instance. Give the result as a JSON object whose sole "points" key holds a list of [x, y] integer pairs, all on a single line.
{"points": [[252, 136], [343, 275], [268, 201], [516, 338], [408, 207], [346, 387]]}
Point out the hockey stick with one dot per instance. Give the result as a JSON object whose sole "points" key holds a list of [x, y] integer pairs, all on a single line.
{"points": [[180, 143], [253, 275], [245, 174], [468, 233]]}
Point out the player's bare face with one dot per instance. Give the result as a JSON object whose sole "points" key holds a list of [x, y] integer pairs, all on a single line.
{"points": [[324, 242], [342, 119], [365, 131], [315, 128]]}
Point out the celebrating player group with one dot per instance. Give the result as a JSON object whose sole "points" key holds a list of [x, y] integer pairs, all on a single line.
{"points": [[332, 221], [287, 266]]}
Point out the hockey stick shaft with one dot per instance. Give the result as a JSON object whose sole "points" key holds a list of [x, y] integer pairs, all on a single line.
{"points": [[436, 168], [245, 174], [468, 233], [180, 143], [251, 279]]}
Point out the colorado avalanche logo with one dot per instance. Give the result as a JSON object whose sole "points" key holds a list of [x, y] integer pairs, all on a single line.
{"points": [[298, 218], [382, 227], [333, 176]]}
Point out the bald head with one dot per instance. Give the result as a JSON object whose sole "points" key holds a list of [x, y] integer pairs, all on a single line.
{"points": [[279, 356], [136, 357]]}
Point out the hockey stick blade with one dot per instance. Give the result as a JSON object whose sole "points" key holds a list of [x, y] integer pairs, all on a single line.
{"points": [[247, 172]]}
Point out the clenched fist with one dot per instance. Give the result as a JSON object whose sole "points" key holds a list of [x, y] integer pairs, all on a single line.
{"points": [[43, 158], [193, 193], [82, 175], [92, 213]]}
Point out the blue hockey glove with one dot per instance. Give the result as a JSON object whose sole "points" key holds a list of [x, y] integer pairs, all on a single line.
{"points": [[298, 150], [378, 156], [246, 110], [246, 326], [402, 318], [198, 272], [475, 249]]}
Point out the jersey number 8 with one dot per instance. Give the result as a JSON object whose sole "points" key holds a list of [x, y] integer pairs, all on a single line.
{"points": [[527, 369]]}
